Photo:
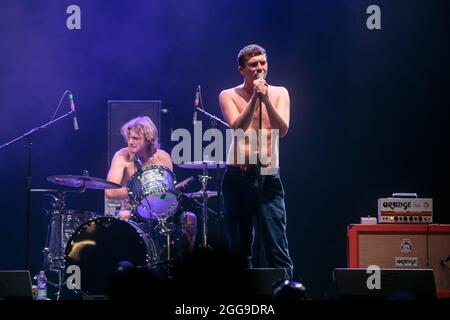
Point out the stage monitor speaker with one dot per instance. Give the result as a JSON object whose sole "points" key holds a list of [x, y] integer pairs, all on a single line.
{"points": [[394, 284], [262, 281], [15, 285], [120, 112]]}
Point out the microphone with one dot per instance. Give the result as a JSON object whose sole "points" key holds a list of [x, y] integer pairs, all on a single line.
{"points": [[196, 103], [72, 107], [261, 75]]}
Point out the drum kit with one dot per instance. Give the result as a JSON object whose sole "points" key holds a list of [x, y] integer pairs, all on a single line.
{"points": [[153, 238]]}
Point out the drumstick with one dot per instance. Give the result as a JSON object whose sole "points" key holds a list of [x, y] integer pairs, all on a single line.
{"points": [[184, 183]]}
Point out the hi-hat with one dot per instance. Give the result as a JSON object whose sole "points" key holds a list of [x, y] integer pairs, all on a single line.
{"points": [[83, 182], [208, 164], [199, 194], [43, 190]]}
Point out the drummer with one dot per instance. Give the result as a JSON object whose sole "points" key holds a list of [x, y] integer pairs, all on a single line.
{"points": [[141, 135]]}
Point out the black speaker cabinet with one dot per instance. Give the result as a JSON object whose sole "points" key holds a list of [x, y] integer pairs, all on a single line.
{"points": [[393, 284]]}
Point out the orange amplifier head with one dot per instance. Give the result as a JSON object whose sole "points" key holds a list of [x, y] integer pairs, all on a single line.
{"points": [[405, 210]]}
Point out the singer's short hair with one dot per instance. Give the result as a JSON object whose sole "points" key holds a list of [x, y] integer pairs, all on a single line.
{"points": [[144, 125], [248, 52]]}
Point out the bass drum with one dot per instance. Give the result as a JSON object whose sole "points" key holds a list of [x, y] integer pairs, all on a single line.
{"points": [[69, 221], [98, 247]]}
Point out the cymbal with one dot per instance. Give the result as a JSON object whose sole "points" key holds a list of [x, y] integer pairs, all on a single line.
{"points": [[43, 190], [201, 164], [83, 182], [199, 194]]}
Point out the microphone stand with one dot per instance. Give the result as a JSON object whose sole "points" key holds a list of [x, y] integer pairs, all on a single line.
{"points": [[260, 182], [29, 137], [213, 119], [259, 166]]}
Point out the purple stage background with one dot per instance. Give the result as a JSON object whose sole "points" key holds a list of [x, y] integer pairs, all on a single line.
{"points": [[369, 108]]}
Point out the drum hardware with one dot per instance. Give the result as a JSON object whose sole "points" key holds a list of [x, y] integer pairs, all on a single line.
{"points": [[204, 181], [200, 205], [54, 249], [183, 184], [62, 225], [209, 164], [166, 231], [199, 194], [81, 183], [203, 193], [152, 192], [44, 190], [63, 222]]}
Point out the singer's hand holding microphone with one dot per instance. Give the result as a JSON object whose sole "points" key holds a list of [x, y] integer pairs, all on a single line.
{"points": [[260, 86]]}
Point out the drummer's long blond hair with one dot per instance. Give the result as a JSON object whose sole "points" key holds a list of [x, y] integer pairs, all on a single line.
{"points": [[146, 125]]}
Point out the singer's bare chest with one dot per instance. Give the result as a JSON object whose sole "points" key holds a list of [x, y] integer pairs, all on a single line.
{"points": [[242, 98]]}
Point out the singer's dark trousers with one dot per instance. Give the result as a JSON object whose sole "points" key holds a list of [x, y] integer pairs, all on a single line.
{"points": [[241, 205]]}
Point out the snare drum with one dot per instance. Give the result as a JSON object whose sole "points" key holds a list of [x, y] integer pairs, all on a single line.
{"points": [[152, 192], [99, 246]]}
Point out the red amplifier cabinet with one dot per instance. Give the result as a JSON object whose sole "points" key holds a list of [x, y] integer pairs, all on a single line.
{"points": [[402, 246]]}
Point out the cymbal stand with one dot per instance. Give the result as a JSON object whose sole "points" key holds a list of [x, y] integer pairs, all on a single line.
{"points": [[204, 181], [164, 230], [57, 231]]}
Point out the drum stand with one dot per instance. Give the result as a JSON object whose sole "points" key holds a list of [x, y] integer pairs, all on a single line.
{"points": [[57, 238], [166, 231], [204, 180], [57, 231]]}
